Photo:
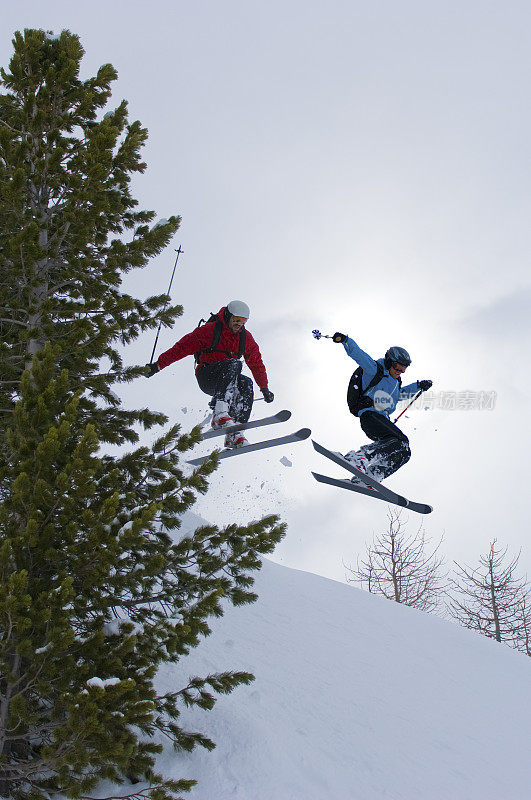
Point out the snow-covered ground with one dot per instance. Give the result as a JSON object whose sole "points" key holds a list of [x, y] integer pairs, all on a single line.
{"points": [[355, 698]]}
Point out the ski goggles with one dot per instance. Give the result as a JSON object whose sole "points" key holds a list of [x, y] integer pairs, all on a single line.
{"points": [[399, 368], [239, 320]]}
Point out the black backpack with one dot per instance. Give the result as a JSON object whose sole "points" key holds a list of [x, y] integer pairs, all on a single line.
{"points": [[216, 336], [356, 396]]}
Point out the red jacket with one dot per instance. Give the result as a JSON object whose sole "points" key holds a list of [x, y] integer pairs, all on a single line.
{"points": [[201, 339]]}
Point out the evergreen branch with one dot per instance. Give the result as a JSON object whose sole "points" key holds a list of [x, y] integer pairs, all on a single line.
{"points": [[142, 794], [12, 321], [10, 127]]}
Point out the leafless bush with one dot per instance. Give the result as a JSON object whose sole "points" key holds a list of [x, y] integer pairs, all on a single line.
{"points": [[402, 567], [493, 600]]}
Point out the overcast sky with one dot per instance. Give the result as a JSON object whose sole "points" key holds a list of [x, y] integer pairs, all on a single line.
{"points": [[343, 166]]}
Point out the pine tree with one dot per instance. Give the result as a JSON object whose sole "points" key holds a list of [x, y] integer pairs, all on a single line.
{"points": [[70, 229], [96, 588]]}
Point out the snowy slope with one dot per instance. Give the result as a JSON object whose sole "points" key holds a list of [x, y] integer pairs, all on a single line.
{"points": [[355, 698]]}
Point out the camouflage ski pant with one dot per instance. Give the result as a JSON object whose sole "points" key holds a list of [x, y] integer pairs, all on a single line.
{"points": [[390, 448], [224, 381]]}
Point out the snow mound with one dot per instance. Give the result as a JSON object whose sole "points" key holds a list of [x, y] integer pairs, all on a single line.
{"points": [[355, 698]]}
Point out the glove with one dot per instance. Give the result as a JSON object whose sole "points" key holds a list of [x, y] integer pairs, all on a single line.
{"points": [[424, 385], [339, 338], [152, 369], [268, 395]]}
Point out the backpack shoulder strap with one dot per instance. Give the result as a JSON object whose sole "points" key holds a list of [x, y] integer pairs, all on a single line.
{"points": [[216, 335], [377, 378], [243, 342]]}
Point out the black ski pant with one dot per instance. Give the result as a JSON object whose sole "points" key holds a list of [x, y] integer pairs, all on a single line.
{"points": [[224, 381], [390, 448]]}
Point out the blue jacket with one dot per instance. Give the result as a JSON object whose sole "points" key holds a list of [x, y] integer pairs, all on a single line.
{"points": [[389, 389]]}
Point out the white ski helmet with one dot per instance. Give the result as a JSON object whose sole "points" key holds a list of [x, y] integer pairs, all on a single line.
{"points": [[238, 309]]}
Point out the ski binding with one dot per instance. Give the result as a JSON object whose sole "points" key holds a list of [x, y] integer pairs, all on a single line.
{"points": [[281, 416]]}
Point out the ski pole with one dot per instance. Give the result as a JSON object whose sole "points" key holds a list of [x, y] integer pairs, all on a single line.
{"points": [[179, 251], [410, 404]]}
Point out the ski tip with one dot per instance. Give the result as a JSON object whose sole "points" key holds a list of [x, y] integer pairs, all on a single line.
{"points": [[283, 415], [420, 508], [304, 433], [318, 477]]}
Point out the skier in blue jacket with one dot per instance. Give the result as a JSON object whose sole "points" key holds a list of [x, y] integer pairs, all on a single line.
{"points": [[374, 392]]}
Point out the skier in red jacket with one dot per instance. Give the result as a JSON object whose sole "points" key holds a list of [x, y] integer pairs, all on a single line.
{"points": [[218, 346]]}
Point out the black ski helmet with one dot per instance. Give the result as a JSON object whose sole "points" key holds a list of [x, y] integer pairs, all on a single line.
{"points": [[397, 355]]}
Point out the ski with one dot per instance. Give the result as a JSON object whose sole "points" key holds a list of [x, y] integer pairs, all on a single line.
{"points": [[282, 416], [420, 508], [291, 438], [382, 491]]}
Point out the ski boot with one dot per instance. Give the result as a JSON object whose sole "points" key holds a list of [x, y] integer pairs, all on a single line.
{"points": [[233, 440], [221, 417], [358, 460]]}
